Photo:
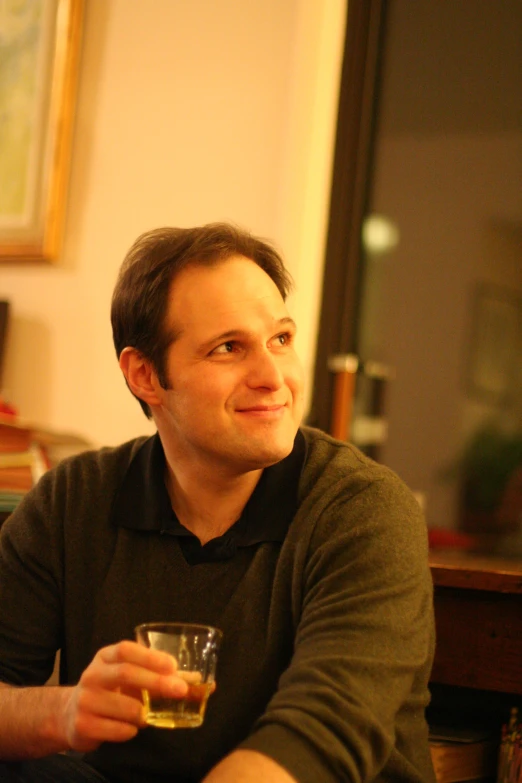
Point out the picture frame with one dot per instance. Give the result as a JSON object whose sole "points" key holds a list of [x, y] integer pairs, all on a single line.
{"points": [[40, 45], [495, 375]]}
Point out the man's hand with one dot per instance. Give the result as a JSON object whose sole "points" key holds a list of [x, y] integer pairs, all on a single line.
{"points": [[106, 705]]}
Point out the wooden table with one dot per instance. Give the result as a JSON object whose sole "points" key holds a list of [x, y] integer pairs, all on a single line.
{"points": [[478, 613]]}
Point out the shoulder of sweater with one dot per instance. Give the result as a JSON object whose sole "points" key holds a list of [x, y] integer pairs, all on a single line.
{"points": [[332, 462], [325, 452], [341, 489]]}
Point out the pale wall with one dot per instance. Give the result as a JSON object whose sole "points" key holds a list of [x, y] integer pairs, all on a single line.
{"points": [[188, 112]]}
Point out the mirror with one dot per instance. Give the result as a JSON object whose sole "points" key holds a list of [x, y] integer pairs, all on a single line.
{"points": [[441, 285]]}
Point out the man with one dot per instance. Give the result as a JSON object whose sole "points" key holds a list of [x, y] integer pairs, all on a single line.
{"points": [[310, 557]]}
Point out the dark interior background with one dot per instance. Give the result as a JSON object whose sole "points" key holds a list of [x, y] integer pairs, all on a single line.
{"points": [[442, 305]]}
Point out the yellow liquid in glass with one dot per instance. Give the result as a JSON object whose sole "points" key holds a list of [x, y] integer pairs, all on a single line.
{"points": [[187, 713]]}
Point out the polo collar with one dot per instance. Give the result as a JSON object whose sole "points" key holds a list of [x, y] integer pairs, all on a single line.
{"points": [[143, 504]]}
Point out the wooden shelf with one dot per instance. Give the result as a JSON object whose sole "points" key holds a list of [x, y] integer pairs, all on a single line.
{"points": [[453, 568], [478, 614], [43, 435]]}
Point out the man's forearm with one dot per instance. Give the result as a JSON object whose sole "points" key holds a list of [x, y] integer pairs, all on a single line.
{"points": [[29, 721], [248, 766]]}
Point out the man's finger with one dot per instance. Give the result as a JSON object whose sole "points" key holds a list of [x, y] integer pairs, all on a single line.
{"points": [[132, 652], [127, 676], [193, 678], [112, 704], [93, 730]]}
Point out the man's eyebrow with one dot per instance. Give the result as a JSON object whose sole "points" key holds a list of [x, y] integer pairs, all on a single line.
{"points": [[287, 321], [234, 333]]}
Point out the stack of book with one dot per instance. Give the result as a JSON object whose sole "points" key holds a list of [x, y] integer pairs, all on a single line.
{"points": [[26, 452], [462, 754], [22, 462]]}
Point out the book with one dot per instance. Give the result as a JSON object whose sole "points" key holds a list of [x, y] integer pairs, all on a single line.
{"points": [[455, 762], [15, 432], [26, 452], [16, 459], [510, 756], [9, 501], [13, 438], [460, 755], [20, 470]]}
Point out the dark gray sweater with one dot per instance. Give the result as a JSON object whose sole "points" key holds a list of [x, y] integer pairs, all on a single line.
{"points": [[328, 636]]}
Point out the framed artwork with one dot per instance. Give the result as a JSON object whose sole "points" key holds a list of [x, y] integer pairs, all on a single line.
{"points": [[39, 54], [495, 374]]}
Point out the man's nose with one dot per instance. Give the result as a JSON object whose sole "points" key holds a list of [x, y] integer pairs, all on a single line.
{"points": [[264, 371]]}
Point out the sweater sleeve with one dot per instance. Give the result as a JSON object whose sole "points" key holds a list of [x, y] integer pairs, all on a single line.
{"points": [[350, 707], [30, 589]]}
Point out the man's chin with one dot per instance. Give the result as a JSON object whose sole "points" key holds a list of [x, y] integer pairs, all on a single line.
{"points": [[269, 451]]}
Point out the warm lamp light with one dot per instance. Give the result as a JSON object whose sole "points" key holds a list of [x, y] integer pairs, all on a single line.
{"points": [[379, 234]]}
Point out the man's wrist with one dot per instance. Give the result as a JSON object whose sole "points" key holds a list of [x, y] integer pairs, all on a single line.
{"points": [[55, 705], [32, 721]]}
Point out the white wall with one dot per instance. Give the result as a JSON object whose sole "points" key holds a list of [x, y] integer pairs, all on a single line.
{"points": [[188, 112]]}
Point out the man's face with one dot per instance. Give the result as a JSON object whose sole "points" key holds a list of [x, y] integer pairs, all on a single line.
{"points": [[235, 397]]}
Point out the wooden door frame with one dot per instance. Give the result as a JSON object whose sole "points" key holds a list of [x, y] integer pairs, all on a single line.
{"points": [[351, 173]]}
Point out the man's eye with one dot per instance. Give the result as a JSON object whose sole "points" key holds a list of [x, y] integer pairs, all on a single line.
{"points": [[227, 347], [284, 339]]}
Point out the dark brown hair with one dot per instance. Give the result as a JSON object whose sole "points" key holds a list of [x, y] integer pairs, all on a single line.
{"points": [[140, 298]]}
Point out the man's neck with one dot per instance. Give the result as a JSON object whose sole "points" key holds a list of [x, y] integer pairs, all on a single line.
{"points": [[208, 505]]}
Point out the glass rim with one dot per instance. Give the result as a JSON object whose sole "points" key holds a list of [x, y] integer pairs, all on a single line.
{"points": [[170, 626]]}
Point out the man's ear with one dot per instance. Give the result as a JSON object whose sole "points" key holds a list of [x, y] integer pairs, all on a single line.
{"points": [[140, 376]]}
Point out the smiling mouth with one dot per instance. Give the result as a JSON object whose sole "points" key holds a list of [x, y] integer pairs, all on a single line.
{"points": [[262, 409]]}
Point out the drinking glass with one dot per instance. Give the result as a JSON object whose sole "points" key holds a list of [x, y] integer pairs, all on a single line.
{"points": [[195, 648]]}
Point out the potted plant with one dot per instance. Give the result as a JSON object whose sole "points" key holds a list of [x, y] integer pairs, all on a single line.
{"points": [[489, 472]]}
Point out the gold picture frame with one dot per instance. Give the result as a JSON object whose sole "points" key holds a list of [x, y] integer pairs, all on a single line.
{"points": [[39, 56]]}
